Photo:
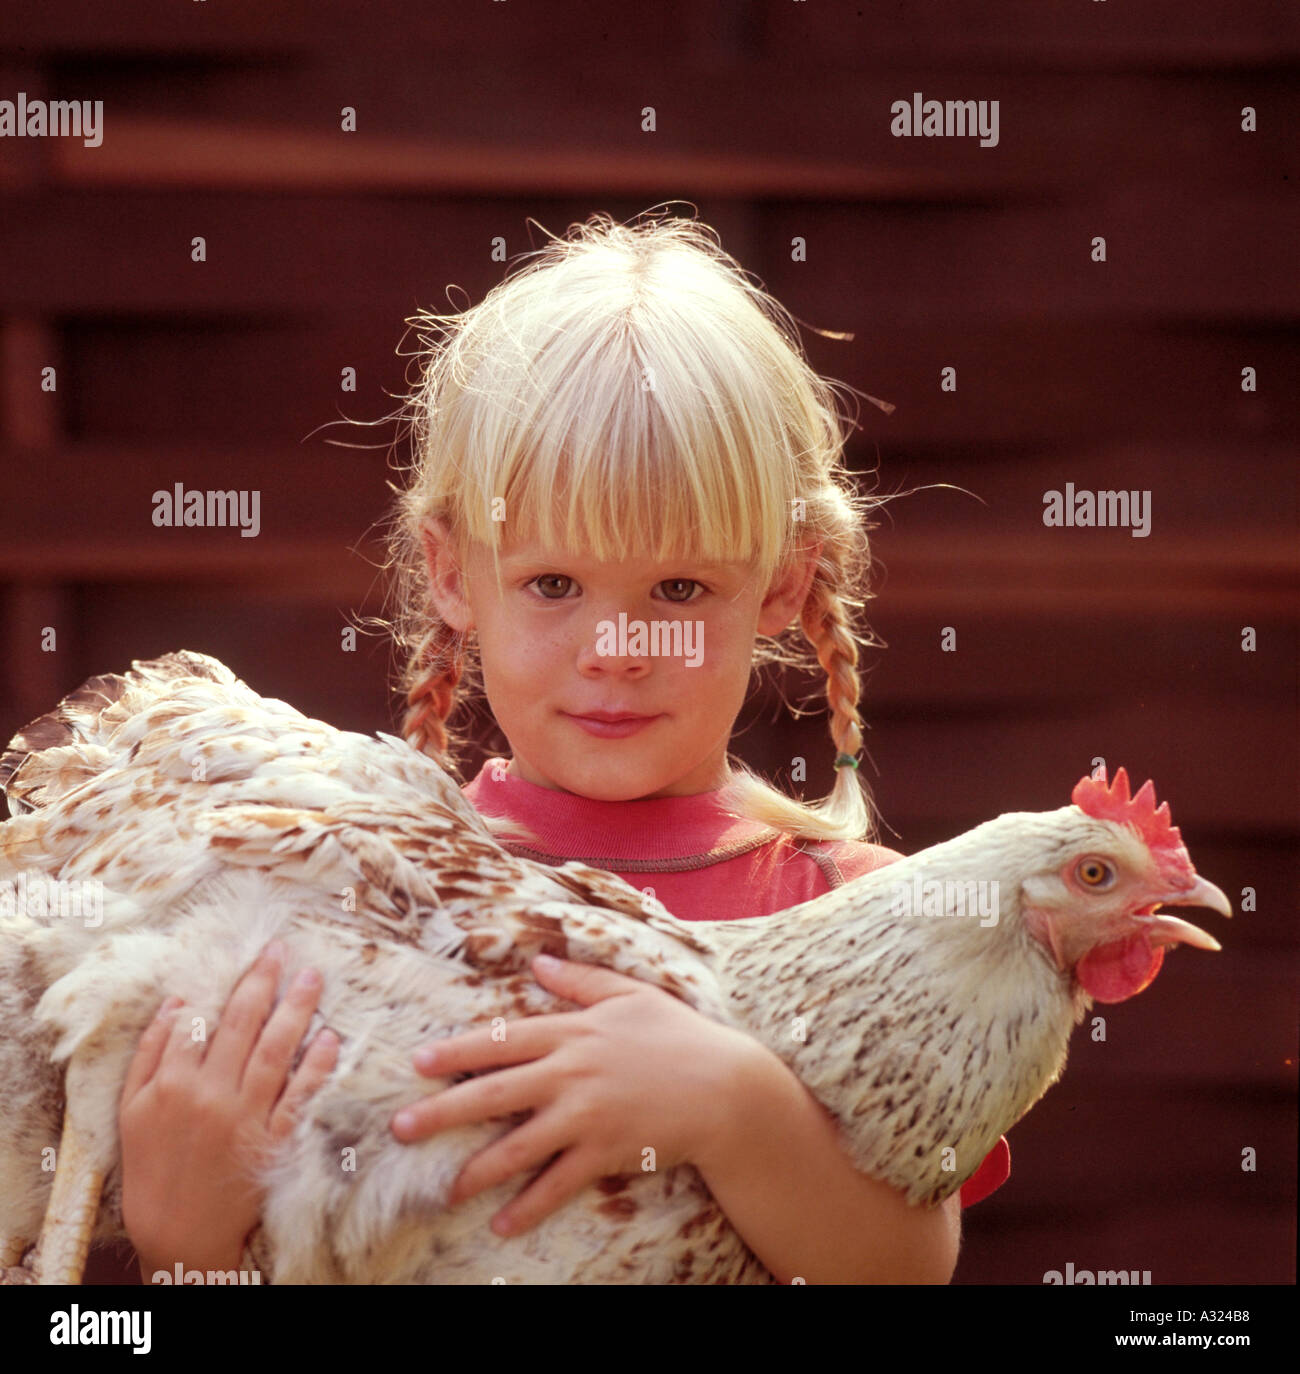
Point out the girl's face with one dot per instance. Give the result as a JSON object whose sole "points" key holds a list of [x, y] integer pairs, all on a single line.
{"points": [[551, 651]]}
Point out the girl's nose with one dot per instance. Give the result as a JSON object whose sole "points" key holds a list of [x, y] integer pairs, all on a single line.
{"points": [[610, 647]]}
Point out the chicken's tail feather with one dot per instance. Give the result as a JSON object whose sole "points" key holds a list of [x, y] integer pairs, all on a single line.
{"points": [[48, 755]]}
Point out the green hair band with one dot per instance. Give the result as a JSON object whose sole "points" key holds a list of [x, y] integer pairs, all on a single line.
{"points": [[846, 761]]}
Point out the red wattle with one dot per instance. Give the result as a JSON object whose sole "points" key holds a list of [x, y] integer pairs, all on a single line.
{"points": [[1119, 970]]}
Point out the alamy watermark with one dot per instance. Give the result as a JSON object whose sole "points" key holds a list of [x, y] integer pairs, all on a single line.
{"points": [[656, 639], [91, 1326], [921, 118], [1082, 509], [1099, 1277], [216, 509], [40, 897], [220, 1277], [951, 897], [23, 118]]}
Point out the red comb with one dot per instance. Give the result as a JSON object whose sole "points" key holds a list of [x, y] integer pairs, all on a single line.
{"points": [[1094, 798]]}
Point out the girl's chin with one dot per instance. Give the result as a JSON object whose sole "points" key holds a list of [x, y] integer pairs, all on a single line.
{"points": [[614, 780]]}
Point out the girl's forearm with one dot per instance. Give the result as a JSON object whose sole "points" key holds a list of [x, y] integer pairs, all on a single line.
{"points": [[786, 1185]]}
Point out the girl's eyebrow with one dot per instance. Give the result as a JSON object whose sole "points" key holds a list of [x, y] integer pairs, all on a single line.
{"points": [[541, 556]]}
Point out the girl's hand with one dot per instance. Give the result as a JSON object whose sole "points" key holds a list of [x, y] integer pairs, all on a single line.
{"points": [[193, 1123], [638, 1070]]}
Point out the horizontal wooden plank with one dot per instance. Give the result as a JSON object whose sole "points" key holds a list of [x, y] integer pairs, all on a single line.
{"points": [[1258, 581], [1029, 760], [571, 29], [899, 268], [752, 128], [999, 660], [833, 34], [308, 499], [133, 381], [1090, 572], [1030, 394], [1173, 33], [1236, 496], [178, 154], [136, 28], [80, 253], [1254, 1243], [1241, 483]]}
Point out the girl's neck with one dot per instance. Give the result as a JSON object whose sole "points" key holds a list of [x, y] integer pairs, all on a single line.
{"points": [[578, 827]]}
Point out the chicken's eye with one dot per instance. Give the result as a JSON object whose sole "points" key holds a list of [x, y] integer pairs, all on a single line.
{"points": [[1095, 872]]}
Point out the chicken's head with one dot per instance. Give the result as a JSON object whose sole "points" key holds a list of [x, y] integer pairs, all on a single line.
{"points": [[1096, 912]]}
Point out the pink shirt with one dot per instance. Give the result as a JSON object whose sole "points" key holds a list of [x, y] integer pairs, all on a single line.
{"points": [[703, 864], [700, 862]]}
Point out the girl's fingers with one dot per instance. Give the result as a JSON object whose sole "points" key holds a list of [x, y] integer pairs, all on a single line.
{"points": [[149, 1052], [268, 1064], [564, 1180], [242, 1019], [478, 1099], [317, 1065], [532, 1143], [529, 1037]]}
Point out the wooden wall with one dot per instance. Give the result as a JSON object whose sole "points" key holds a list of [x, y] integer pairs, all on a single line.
{"points": [[773, 119]]}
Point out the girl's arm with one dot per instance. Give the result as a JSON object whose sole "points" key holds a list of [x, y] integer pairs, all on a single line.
{"points": [[191, 1122], [785, 1183]]}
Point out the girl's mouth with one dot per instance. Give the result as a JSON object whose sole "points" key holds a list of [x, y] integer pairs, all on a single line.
{"points": [[616, 728]]}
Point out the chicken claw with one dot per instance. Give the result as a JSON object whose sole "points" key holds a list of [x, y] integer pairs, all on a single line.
{"points": [[12, 1270]]}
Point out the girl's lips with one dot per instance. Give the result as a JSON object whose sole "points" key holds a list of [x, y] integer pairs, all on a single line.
{"points": [[612, 729]]}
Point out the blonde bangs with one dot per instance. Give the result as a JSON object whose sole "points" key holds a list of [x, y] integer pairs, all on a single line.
{"points": [[627, 438]]}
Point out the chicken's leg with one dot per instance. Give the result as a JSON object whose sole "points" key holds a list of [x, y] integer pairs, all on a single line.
{"points": [[74, 1205], [59, 1256]]}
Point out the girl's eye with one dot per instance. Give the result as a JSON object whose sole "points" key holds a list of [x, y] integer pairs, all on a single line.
{"points": [[1095, 872], [679, 582], [539, 583], [548, 580]]}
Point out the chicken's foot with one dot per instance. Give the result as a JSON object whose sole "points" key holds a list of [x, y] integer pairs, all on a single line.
{"points": [[12, 1270]]}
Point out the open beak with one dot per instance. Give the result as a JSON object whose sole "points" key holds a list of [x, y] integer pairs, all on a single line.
{"points": [[1163, 929]]}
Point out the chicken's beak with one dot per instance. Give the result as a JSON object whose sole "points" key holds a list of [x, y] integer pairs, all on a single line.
{"points": [[1163, 929]]}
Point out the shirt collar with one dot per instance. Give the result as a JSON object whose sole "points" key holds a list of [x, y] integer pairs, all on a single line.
{"points": [[602, 833]]}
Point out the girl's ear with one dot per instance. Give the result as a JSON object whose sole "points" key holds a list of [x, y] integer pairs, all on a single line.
{"points": [[789, 590], [446, 578]]}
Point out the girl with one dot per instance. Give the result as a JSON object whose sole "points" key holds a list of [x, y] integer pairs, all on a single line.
{"points": [[621, 447]]}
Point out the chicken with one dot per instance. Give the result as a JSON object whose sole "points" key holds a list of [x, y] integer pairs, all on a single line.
{"points": [[927, 1006]]}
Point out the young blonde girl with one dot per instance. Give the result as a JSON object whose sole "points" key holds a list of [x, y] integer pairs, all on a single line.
{"points": [[626, 415]]}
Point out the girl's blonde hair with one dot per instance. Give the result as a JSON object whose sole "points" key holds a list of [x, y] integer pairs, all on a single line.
{"points": [[631, 393]]}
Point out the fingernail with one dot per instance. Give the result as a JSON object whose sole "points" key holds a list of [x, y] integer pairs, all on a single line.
{"points": [[275, 950], [502, 1225], [169, 1005], [426, 1058], [404, 1121], [548, 961], [308, 978]]}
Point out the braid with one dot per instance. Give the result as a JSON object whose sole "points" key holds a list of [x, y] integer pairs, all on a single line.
{"points": [[432, 694], [825, 621]]}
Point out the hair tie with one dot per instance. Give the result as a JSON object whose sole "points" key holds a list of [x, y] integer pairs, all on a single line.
{"points": [[846, 761]]}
